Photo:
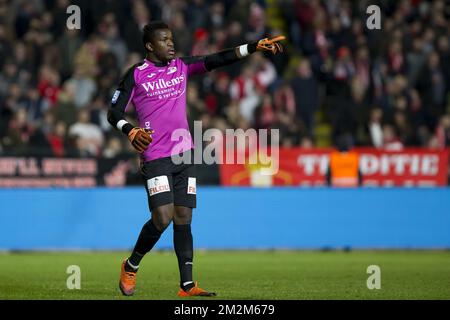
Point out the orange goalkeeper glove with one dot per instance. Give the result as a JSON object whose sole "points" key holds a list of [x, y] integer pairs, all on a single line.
{"points": [[140, 138], [271, 44]]}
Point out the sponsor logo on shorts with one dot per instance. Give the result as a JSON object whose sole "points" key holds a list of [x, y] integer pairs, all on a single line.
{"points": [[157, 185], [192, 186]]}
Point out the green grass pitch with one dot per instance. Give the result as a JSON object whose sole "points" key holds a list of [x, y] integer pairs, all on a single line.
{"points": [[233, 275]]}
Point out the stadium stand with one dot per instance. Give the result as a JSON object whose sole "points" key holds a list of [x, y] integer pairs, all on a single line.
{"points": [[386, 89]]}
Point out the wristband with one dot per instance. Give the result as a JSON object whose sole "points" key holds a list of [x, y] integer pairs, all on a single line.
{"points": [[243, 50], [121, 123]]}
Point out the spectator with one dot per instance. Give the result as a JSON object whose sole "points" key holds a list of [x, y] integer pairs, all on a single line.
{"points": [[219, 97], [57, 139], [5, 46], [443, 132], [109, 31], [197, 13], [18, 134], [113, 148], [306, 93], [256, 23], [391, 141], [415, 59], [65, 109], [195, 106], [431, 86], [284, 99], [48, 72], [133, 27], [264, 113], [181, 33], [443, 49], [375, 127], [84, 86], [49, 85], [89, 137], [216, 16], [201, 42], [68, 45], [8, 77], [34, 105]]}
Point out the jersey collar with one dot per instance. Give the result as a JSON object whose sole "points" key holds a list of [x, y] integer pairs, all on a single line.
{"points": [[157, 64]]}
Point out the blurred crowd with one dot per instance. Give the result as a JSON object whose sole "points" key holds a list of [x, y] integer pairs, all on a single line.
{"points": [[385, 88]]}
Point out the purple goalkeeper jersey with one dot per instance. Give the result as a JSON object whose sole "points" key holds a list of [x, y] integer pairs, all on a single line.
{"points": [[159, 97], [158, 92]]}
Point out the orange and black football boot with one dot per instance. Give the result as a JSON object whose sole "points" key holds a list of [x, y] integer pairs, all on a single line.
{"points": [[195, 292], [127, 281]]}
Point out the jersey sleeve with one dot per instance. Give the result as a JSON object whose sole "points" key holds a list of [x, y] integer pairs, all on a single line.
{"points": [[195, 64], [121, 99], [199, 64]]}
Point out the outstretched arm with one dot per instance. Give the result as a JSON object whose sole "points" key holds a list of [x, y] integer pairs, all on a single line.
{"points": [[229, 56]]}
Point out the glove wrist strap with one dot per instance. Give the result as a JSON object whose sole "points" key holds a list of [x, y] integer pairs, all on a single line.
{"points": [[126, 128], [251, 47]]}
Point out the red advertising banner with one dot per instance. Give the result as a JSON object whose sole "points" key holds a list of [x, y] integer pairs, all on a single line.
{"points": [[37, 172], [308, 167]]}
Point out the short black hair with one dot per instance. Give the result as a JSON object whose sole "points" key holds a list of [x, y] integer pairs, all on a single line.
{"points": [[149, 30]]}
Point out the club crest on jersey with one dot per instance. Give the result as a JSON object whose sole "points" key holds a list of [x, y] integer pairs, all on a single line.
{"points": [[157, 185], [115, 96], [172, 70]]}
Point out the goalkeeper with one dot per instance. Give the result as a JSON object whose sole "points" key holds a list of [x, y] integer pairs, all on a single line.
{"points": [[156, 87]]}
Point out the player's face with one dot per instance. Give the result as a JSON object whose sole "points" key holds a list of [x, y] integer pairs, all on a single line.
{"points": [[162, 45]]}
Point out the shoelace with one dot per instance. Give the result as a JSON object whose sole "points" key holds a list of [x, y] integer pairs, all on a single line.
{"points": [[130, 275]]}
